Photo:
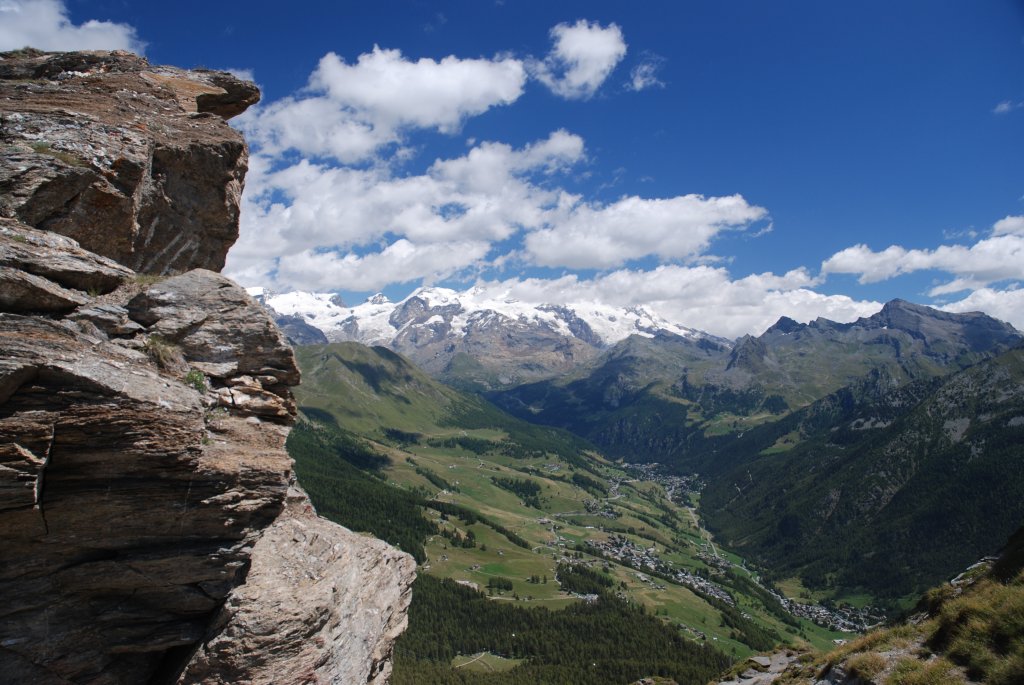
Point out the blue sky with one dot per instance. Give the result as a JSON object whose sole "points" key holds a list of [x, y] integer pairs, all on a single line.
{"points": [[723, 162]]}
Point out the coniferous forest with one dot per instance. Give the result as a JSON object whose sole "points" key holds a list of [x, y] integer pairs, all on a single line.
{"points": [[608, 641], [326, 463]]}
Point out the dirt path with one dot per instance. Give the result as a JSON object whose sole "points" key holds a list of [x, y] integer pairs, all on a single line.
{"points": [[703, 533], [479, 656]]}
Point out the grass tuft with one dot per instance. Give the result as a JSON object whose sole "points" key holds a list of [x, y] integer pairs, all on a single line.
{"points": [[865, 665], [166, 354]]}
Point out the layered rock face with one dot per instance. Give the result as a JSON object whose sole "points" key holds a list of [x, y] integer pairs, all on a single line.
{"points": [[151, 527]]}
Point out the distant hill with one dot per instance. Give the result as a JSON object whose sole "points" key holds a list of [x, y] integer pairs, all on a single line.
{"points": [[882, 487], [379, 394]]}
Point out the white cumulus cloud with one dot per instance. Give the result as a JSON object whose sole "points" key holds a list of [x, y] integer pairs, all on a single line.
{"points": [[602, 236], [391, 90], [702, 297], [45, 24], [581, 59], [350, 111], [399, 262], [484, 196], [998, 257], [1009, 225]]}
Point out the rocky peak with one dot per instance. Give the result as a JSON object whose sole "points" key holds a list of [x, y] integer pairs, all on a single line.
{"points": [[975, 330], [152, 527], [785, 326], [418, 309], [748, 353]]}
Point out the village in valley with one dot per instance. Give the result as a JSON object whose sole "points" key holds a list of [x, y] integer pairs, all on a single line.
{"points": [[642, 558]]}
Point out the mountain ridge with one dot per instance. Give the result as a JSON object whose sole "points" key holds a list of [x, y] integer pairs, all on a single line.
{"points": [[472, 338], [692, 393]]}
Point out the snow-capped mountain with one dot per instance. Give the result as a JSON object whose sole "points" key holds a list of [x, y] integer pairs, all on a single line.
{"points": [[472, 335]]}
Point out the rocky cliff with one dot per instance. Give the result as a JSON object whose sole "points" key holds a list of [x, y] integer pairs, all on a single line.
{"points": [[152, 530]]}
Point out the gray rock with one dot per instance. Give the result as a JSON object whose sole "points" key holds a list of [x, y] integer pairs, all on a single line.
{"points": [[25, 292], [218, 325], [58, 259], [309, 578], [111, 319]]}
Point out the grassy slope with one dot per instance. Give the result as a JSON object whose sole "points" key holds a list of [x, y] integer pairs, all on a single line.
{"points": [[968, 631]]}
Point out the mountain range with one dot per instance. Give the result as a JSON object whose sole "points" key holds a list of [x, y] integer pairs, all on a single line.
{"points": [[667, 398], [471, 338]]}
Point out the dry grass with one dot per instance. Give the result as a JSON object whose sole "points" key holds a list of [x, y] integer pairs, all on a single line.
{"points": [[865, 665], [984, 631], [166, 354], [912, 671]]}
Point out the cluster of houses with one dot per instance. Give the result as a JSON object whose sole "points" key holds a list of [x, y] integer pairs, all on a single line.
{"points": [[625, 551], [845, 619], [676, 487], [708, 587]]}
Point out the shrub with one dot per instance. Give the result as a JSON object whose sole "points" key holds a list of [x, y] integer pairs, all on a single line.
{"points": [[196, 379]]}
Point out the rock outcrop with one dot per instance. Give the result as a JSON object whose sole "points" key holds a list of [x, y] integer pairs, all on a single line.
{"points": [[132, 161], [281, 632], [152, 530]]}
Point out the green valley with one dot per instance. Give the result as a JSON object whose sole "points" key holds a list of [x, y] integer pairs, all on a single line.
{"points": [[787, 491], [514, 514]]}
